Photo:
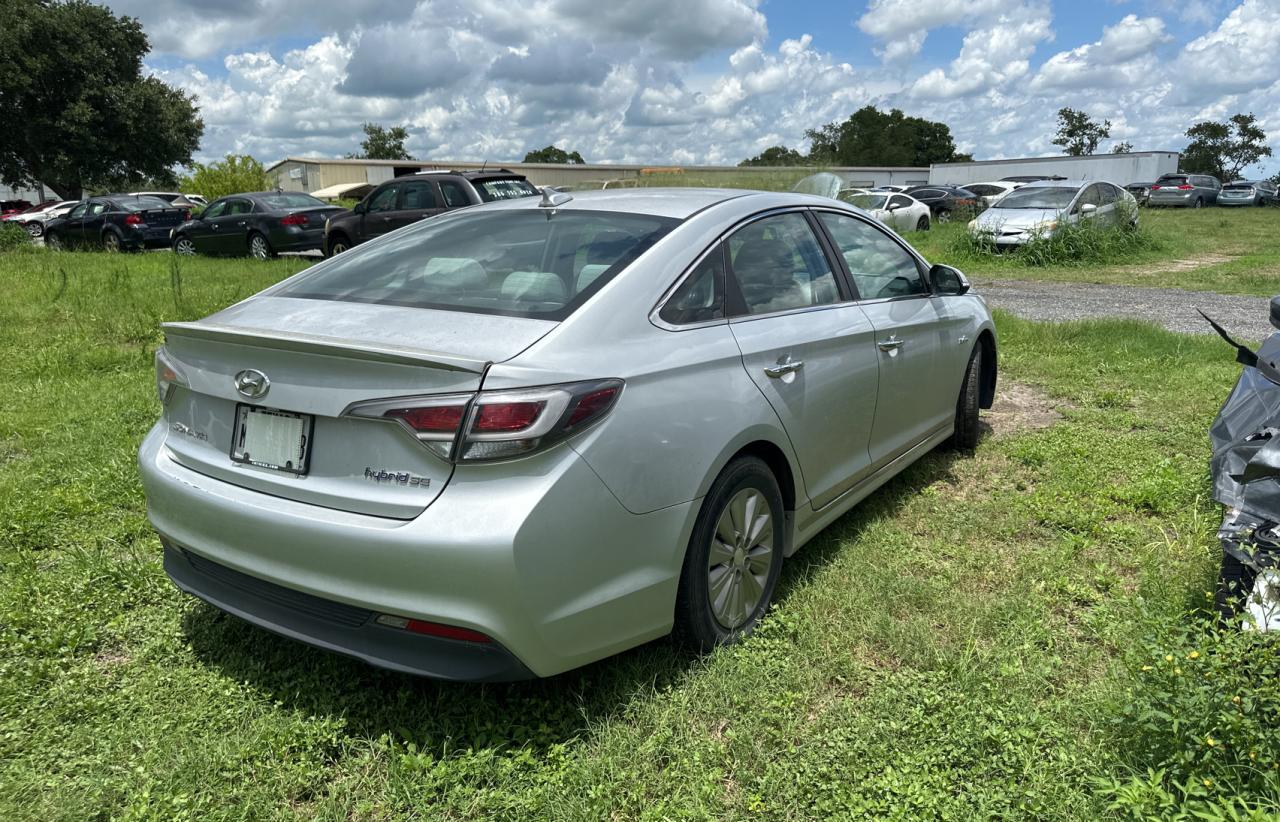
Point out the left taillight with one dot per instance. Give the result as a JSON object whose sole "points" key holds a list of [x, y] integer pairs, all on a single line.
{"points": [[167, 376], [133, 219], [495, 425]]}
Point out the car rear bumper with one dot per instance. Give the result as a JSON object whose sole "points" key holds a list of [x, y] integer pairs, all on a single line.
{"points": [[1232, 201], [296, 239], [536, 554]]}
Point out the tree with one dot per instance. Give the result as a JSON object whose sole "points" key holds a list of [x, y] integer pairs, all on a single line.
{"points": [[871, 137], [776, 156], [234, 174], [551, 154], [382, 143], [1078, 134], [1122, 148], [76, 108], [1225, 149]]}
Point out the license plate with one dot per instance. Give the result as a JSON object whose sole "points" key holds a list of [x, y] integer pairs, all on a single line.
{"points": [[273, 439]]}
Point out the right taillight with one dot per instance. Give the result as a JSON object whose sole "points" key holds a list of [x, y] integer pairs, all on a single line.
{"points": [[493, 425]]}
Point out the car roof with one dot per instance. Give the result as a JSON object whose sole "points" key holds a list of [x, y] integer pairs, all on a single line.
{"points": [[679, 203], [1059, 184]]}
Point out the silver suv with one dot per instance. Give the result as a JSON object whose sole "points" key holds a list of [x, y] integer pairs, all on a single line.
{"points": [[1185, 190]]}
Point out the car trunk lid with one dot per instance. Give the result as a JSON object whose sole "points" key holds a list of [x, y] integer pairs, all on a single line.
{"points": [[320, 358]]}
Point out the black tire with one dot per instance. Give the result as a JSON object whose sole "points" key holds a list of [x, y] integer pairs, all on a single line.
{"points": [[697, 628], [1199, 203], [111, 242], [1235, 583], [967, 431], [53, 242], [337, 244], [35, 228], [183, 245], [922, 224], [944, 217], [259, 246]]}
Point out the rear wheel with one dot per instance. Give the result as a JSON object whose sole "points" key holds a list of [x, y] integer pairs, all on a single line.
{"points": [[944, 217], [110, 241], [967, 431], [259, 248], [183, 245], [1199, 202], [922, 224], [735, 555]]}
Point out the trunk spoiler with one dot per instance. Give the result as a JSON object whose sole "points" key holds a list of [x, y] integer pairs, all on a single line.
{"points": [[317, 344]]}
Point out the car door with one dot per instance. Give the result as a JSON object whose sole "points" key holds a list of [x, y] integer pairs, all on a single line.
{"points": [[418, 199], [71, 231], [916, 342], [807, 347], [377, 217], [229, 231], [201, 232], [95, 219], [904, 218]]}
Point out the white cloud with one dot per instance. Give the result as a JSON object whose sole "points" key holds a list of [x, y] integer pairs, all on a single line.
{"points": [[1241, 55], [992, 56], [902, 25], [1124, 56]]}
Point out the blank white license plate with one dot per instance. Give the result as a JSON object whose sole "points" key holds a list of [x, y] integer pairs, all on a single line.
{"points": [[272, 439]]}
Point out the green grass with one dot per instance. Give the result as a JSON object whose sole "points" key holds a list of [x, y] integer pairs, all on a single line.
{"points": [[968, 643]]}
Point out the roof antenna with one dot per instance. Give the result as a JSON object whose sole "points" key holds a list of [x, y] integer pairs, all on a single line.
{"points": [[483, 164]]}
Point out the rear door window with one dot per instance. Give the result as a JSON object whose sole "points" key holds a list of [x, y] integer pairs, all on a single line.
{"points": [[516, 263], [418, 195], [778, 265], [454, 195]]}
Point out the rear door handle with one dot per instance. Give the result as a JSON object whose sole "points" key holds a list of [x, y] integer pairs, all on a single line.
{"points": [[785, 366], [890, 344]]}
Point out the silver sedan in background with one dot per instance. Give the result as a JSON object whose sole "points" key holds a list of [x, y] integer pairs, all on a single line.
{"points": [[517, 438]]}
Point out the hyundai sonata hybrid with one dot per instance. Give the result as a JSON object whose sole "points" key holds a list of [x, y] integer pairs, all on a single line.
{"points": [[517, 438]]}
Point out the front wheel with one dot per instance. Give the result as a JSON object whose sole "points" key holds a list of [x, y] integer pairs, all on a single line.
{"points": [[259, 248], [183, 245], [967, 430], [922, 224], [53, 242], [735, 555], [35, 229], [1235, 586], [338, 243]]}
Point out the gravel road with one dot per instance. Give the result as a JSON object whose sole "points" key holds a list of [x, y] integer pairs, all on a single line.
{"points": [[1172, 308]]}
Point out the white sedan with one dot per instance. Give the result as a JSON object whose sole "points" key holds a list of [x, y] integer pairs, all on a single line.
{"points": [[901, 212]]}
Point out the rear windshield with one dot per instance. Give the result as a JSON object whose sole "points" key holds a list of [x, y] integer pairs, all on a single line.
{"points": [[1171, 180], [517, 263], [141, 203], [1238, 187], [490, 190], [286, 200]]}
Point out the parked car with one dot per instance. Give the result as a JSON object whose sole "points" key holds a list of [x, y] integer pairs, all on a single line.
{"points": [[894, 188], [901, 212], [1141, 192], [8, 207], [114, 222], [413, 197], [514, 439], [1185, 190], [988, 193], [181, 200], [944, 202], [34, 220], [1246, 192], [1040, 209], [260, 224]]}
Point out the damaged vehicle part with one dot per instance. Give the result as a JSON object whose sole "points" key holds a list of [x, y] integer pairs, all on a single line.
{"points": [[1246, 478]]}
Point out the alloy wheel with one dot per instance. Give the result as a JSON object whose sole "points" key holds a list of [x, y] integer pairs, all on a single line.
{"points": [[337, 247], [184, 246], [944, 216], [258, 247], [111, 241], [741, 556]]}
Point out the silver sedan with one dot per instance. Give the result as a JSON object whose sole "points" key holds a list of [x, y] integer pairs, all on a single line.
{"points": [[521, 437]]}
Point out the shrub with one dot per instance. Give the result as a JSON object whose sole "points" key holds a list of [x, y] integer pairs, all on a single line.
{"points": [[235, 174], [13, 237], [1200, 727]]}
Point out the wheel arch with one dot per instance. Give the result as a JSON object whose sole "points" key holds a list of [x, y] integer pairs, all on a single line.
{"points": [[987, 397]]}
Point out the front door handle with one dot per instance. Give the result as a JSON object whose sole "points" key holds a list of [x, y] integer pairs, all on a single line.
{"points": [[785, 366], [890, 344]]}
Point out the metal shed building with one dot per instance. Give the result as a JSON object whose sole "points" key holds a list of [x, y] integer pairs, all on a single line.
{"points": [[1122, 169]]}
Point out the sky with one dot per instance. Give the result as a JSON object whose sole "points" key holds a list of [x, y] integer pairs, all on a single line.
{"points": [[705, 81]]}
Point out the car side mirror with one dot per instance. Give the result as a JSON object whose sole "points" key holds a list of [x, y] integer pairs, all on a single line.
{"points": [[360, 208], [895, 207], [1088, 208], [948, 280], [1275, 312]]}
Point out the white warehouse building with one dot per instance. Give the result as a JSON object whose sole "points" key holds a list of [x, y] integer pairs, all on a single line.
{"points": [[1121, 169]]}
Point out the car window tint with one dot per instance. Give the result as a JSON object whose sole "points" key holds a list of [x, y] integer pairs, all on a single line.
{"points": [[96, 209], [490, 190], [879, 266], [511, 262], [384, 199], [899, 201], [779, 265], [454, 196], [418, 195], [1106, 193], [78, 211], [235, 207], [701, 296], [215, 210]]}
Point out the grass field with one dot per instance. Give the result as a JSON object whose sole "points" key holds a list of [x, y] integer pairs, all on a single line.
{"points": [[987, 636]]}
